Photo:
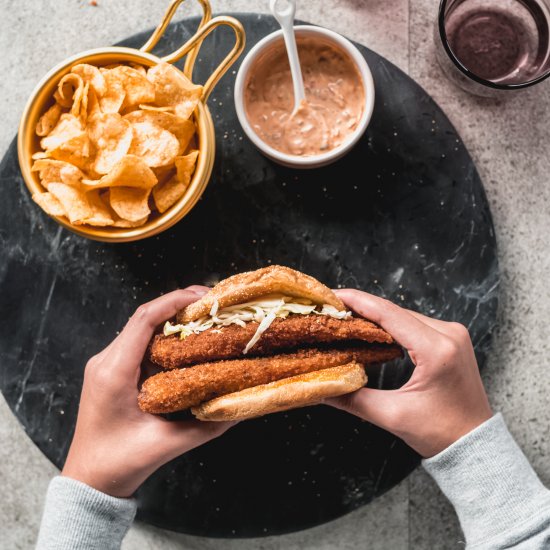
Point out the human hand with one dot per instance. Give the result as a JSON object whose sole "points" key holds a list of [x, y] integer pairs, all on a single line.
{"points": [[116, 446], [444, 398]]}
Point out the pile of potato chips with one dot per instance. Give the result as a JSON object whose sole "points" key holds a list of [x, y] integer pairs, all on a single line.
{"points": [[117, 144]]}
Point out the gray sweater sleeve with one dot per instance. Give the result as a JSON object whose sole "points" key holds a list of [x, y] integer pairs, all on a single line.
{"points": [[79, 517], [498, 497]]}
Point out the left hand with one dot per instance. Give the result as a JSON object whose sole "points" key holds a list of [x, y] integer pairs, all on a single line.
{"points": [[116, 446], [443, 400]]}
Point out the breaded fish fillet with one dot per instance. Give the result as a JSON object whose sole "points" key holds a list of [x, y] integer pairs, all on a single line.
{"points": [[179, 389], [171, 352]]}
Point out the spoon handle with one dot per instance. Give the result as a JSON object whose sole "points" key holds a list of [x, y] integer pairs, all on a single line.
{"points": [[285, 16]]}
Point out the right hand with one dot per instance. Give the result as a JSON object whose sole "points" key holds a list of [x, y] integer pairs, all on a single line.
{"points": [[444, 398]]}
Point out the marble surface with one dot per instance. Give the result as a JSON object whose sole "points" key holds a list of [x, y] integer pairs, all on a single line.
{"points": [[415, 227], [509, 142]]}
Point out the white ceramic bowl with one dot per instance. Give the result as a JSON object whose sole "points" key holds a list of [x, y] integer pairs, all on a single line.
{"points": [[313, 161]]}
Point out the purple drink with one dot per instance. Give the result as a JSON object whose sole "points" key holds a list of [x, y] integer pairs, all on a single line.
{"points": [[502, 42]]}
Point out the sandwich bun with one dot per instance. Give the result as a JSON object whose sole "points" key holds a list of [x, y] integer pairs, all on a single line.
{"points": [[251, 285], [289, 393]]}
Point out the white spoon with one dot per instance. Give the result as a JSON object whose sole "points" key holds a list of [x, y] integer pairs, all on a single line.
{"points": [[284, 14]]}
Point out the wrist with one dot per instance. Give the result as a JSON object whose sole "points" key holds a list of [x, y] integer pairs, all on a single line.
{"points": [[445, 432], [107, 482]]}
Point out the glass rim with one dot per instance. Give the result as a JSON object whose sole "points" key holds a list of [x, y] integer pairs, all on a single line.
{"points": [[470, 74]]}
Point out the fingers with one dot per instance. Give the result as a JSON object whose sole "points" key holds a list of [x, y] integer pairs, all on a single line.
{"points": [[103, 353], [182, 436], [199, 290], [451, 329], [131, 344], [380, 407], [408, 330], [436, 324]]}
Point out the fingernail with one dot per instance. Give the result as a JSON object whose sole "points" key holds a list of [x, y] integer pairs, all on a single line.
{"points": [[196, 290]]}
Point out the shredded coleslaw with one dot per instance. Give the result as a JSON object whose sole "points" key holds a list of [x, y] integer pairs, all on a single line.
{"points": [[263, 312]]}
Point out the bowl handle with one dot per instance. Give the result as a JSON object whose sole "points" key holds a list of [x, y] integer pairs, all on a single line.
{"points": [[159, 31], [196, 41]]}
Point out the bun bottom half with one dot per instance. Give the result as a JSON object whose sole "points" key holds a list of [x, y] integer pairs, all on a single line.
{"points": [[289, 393]]}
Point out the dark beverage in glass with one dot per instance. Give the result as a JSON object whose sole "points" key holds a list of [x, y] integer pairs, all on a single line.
{"points": [[499, 44]]}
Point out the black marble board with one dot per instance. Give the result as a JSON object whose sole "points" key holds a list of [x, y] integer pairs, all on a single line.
{"points": [[404, 216]]}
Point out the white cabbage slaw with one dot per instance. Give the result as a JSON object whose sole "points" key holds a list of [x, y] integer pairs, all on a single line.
{"points": [[263, 312]]}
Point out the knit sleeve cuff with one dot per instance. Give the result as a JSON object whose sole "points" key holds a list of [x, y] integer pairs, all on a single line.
{"points": [[489, 481], [77, 516]]}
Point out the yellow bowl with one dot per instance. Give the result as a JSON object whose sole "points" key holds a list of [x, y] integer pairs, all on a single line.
{"points": [[41, 98]]}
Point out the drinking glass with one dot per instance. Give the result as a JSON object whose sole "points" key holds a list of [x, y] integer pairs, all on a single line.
{"points": [[491, 47]]}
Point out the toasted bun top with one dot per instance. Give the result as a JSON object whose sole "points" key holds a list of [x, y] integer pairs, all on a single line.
{"points": [[251, 285]]}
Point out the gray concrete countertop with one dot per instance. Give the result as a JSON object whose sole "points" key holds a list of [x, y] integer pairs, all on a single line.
{"points": [[509, 142]]}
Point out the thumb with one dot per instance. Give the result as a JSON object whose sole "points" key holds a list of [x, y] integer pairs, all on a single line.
{"points": [[380, 407], [199, 290], [182, 436]]}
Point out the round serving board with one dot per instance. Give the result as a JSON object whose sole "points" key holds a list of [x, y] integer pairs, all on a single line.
{"points": [[404, 216]]}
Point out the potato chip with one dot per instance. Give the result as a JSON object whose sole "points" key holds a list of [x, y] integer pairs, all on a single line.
{"points": [[101, 213], [130, 203], [104, 198], [183, 129], [93, 108], [70, 93], [93, 76], [185, 167], [117, 220], [80, 102], [39, 155], [112, 136], [68, 142], [168, 193], [164, 173], [125, 223], [135, 84], [71, 175], [74, 151], [50, 170], [157, 147], [49, 204], [130, 171], [74, 202], [68, 127], [139, 68], [67, 89], [48, 121], [111, 101], [155, 108], [174, 89]]}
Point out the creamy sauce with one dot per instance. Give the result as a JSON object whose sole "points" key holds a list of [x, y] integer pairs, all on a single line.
{"points": [[335, 98]]}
